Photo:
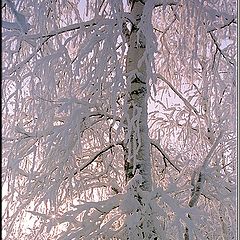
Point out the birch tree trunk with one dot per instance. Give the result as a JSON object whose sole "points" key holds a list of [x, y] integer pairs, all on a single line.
{"points": [[138, 163], [139, 152]]}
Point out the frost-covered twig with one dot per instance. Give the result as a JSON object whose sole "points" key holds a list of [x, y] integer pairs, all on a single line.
{"points": [[10, 25], [28, 59], [210, 153], [68, 28], [186, 102], [94, 214]]}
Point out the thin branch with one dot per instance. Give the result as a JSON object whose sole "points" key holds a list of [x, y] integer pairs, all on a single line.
{"points": [[186, 102], [164, 154], [91, 160], [24, 62], [47, 36], [157, 30], [41, 134], [219, 49], [198, 185], [226, 24], [159, 3], [210, 153], [68, 28]]}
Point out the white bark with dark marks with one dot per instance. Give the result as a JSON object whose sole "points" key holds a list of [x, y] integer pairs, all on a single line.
{"points": [[139, 144]]}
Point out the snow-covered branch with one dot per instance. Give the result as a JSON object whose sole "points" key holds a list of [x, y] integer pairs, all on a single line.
{"points": [[196, 191], [72, 27], [210, 153], [186, 102]]}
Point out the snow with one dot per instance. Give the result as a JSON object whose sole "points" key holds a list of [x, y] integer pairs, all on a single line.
{"points": [[21, 20], [76, 120]]}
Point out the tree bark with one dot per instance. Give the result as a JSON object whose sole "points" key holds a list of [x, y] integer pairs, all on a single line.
{"points": [[137, 155], [139, 144]]}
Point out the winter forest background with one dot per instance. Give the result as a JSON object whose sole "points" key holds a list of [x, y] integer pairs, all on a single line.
{"points": [[119, 119]]}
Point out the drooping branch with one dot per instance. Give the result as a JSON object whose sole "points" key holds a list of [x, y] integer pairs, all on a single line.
{"points": [[218, 49], [21, 23], [92, 212], [186, 102], [164, 154], [68, 28], [227, 18], [28, 59], [40, 134], [96, 155], [45, 37]]}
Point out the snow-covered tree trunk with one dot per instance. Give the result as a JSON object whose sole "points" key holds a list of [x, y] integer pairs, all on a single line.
{"points": [[137, 160], [139, 144]]}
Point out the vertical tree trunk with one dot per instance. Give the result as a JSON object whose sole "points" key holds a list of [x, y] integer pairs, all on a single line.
{"points": [[139, 151], [138, 148]]}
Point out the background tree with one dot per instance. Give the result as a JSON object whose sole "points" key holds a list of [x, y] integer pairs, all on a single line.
{"points": [[119, 119]]}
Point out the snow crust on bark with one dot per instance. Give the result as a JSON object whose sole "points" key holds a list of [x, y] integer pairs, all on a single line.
{"points": [[139, 142]]}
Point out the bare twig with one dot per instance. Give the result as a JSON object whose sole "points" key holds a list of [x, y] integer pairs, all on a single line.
{"points": [[159, 3], [164, 154], [96, 155], [218, 49], [226, 24]]}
